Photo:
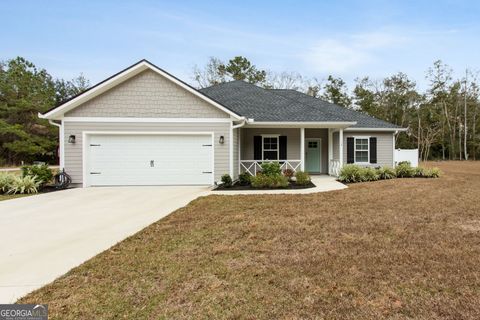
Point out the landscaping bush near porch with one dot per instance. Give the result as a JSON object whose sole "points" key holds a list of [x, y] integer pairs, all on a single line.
{"points": [[262, 180], [352, 173], [270, 177]]}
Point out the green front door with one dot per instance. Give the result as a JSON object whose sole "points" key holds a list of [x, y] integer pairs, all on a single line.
{"points": [[312, 155]]}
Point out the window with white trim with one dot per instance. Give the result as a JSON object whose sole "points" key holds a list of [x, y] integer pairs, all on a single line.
{"points": [[362, 150], [270, 148]]}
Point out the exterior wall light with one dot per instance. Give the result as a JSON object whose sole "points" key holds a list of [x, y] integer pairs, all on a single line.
{"points": [[71, 139], [221, 140]]}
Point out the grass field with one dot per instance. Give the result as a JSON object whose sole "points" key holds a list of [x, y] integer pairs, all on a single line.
{"points": [[405, 248]]}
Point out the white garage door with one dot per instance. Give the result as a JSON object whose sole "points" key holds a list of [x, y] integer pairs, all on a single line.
{"points": [[149, 160]]}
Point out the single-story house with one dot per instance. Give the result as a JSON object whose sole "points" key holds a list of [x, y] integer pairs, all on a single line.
{"points": [[143, 126]]}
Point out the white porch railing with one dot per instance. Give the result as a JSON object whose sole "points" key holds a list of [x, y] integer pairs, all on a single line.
{"points": [[335, 167], [255, 166]]}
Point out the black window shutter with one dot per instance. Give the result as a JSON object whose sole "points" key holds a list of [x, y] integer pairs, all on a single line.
{"points": [[282, 153], [257, 147], [373, 150], [350, 150]]}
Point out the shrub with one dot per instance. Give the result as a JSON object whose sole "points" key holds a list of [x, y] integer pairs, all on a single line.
{"points": [[369, 174], [302, 178], [271, 169], [6, 181], [418, 172], [350, 173], [263, 181], [404, 170], [227, 180], [386, 173], [259, 181], [43, 173], [289, 173], [25, 184], [432, 173], [244, 178], [278, 181], [404, 163]]}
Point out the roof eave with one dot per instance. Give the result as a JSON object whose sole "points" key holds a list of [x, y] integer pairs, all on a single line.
{"points": [[301, 124], [375, 129]]}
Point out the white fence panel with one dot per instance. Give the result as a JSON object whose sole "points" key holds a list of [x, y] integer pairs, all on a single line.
{"points": [[410, 155]]}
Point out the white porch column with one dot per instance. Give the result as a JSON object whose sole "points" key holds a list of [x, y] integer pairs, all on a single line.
{"points": [[330, 150], [340, 146], [302, 149]]}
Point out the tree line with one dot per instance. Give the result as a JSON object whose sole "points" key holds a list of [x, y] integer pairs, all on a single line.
{"points": [[442, 120], [26, 90]]}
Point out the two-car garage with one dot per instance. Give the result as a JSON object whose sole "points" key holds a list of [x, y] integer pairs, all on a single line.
{"points": [[127, 159]]}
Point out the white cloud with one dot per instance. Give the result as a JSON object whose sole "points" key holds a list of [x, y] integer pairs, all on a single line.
{"points": [[349, 53]]}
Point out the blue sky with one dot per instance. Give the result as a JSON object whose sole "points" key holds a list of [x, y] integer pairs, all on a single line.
{"points": [[315, 38]]}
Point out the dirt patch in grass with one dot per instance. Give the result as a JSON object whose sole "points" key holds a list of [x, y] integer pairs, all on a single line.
{"points": [[390, 249]]}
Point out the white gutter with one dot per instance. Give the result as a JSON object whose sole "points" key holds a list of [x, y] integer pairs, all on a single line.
{"points": [[377, 129], [244, 122], [232, 127], [306, 123], [61, 142], [53, 123]]}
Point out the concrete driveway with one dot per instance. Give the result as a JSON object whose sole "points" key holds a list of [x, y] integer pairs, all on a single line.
{"points": [[44, 236]]}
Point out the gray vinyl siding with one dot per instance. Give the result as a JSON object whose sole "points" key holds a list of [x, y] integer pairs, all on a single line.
{"points": [[236, 159], [385, 146], [73, 152], [147, 95], [293, 141], [322, 134]]}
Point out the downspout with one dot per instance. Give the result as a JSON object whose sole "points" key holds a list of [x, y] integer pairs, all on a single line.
{"points": [[244, 121], [60, 141], [54, 123]]}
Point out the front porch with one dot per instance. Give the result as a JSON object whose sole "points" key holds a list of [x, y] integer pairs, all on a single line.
{"points": [[314, 150]]}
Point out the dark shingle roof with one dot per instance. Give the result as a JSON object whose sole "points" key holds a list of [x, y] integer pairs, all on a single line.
{"points": [[273, 105], [254, 102], [363, 120]]}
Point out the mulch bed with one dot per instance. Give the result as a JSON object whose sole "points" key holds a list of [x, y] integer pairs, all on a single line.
{"points": [[238, 186]]}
